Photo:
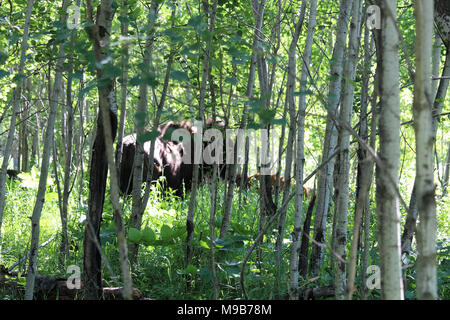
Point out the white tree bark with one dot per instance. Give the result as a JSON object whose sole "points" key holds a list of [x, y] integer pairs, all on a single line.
{"points": [[290, 101], [298, 218], [325, 184], [446, 172], [436, 63], [364, 175], [342, 186], [387, 175], [123, 82], [48, 144], [422, 110]]}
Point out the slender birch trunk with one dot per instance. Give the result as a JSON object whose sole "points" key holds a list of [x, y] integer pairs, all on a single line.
{"points": [[48, 144], [81, 141], [365, 170], [411, 218], [123, 82], [436, 61], [367, 220], [15, 110], [343, 183], [298, 216], [325, 185], [305, 237], [388, 209], [426, 203], [446, 172], [64, 245], [290, 102], [212, 220]]}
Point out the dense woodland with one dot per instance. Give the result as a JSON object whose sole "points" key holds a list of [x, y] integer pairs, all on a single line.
{"points": [[346, 197]]}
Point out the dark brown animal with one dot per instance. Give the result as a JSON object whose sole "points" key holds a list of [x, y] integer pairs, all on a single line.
{"points": [[13, 174], [167, 158]]}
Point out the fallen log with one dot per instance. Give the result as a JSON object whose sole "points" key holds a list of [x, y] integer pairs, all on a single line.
{"points": [[313, 293], [51, 288]]}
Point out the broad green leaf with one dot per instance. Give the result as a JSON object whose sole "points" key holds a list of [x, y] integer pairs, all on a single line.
{"points": [[4, 73], [49, 196], [179, 75], [148, 136], [204, 244], [166, 232], [134, 235], [231, 80], [191, 269], [148, 235]]}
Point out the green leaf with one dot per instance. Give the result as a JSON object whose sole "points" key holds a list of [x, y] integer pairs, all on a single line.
{"points": [[266, 115], [141, 118], [166, 232], [148, 236], [204, 244], [134, 235], [179, 75], [135, 81], [197, 23], [86, 89], [4, 73], [255, 105], [123, 19], [151, 80], [49, 196], [3, 57], [235, 53], [148, 136], [178, 231], [76, 75], [279, 122], [173, 35], [191, 269], [302, 93], [231, 80]]}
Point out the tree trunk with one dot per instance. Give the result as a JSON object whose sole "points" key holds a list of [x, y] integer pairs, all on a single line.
{"points": [[48, 144], [446, 172], [426, 203], [303, 253], [387, 174], [365, 170], [64, 246], [290, 101], [100, 31], [343, 183], [411, 218], [325, 185], [123, 82]]}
